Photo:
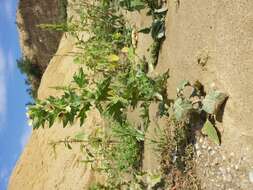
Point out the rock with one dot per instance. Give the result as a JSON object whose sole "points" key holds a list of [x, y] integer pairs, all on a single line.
{"points": [[37, 44], [197, 146], [198, 152], [251, 176]]}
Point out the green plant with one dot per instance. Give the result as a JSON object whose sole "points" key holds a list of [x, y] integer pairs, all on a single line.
{"points": [[114, 150], [199, 106], [111, 97], [157, 29], [132, 5], [139, 181], [191, 108], [121, 82]]}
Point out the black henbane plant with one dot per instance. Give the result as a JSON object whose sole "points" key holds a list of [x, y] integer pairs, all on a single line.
{"points": [[111, 96]]}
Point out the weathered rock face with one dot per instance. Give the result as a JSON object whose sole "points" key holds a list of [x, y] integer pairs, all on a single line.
{"points": [[39, 45]]}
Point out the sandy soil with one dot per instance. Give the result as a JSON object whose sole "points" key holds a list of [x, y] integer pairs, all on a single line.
{"points": [[219, 31], [222, 31]]}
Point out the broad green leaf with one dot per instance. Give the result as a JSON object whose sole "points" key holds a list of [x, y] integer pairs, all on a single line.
{"points": [[80, 78], [137, 5], [80, 136], [181, 108], [65, 121], [114, 109], [145, 30], [211, 132], [103, 88], [82, 113], [213, 101], [158, 29]]}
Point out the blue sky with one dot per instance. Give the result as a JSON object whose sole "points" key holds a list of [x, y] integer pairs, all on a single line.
{"points": [[14, 130]]}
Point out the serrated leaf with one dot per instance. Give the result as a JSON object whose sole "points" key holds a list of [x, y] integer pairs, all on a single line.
{"points": [[80, 78], [103, 89], [211, 132], [114, 108], [181, 108], [213, 101], [64, 121], [82, 114]]}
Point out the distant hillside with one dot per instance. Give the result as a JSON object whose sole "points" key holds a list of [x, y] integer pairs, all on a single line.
{"points": [[38, 45]]}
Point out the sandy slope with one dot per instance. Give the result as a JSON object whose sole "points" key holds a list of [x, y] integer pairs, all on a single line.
{"points": [[221, 30]]}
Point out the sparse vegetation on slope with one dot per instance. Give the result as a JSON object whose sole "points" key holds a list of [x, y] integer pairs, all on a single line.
{"points": [[121, 82]]}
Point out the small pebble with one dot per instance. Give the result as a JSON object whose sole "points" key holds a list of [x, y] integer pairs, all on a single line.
{"points": [[197, 146], [198, 152]]}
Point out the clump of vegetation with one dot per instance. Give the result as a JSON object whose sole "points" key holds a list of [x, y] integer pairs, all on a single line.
{"points": [[121, 82], [115, 150], [192, 110], [175, 144], [33, 73]]}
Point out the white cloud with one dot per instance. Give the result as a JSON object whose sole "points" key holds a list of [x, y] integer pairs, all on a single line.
{"points": [[3, 175], [3, 97], [25, 136], [8, 8], [10, 62]]}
